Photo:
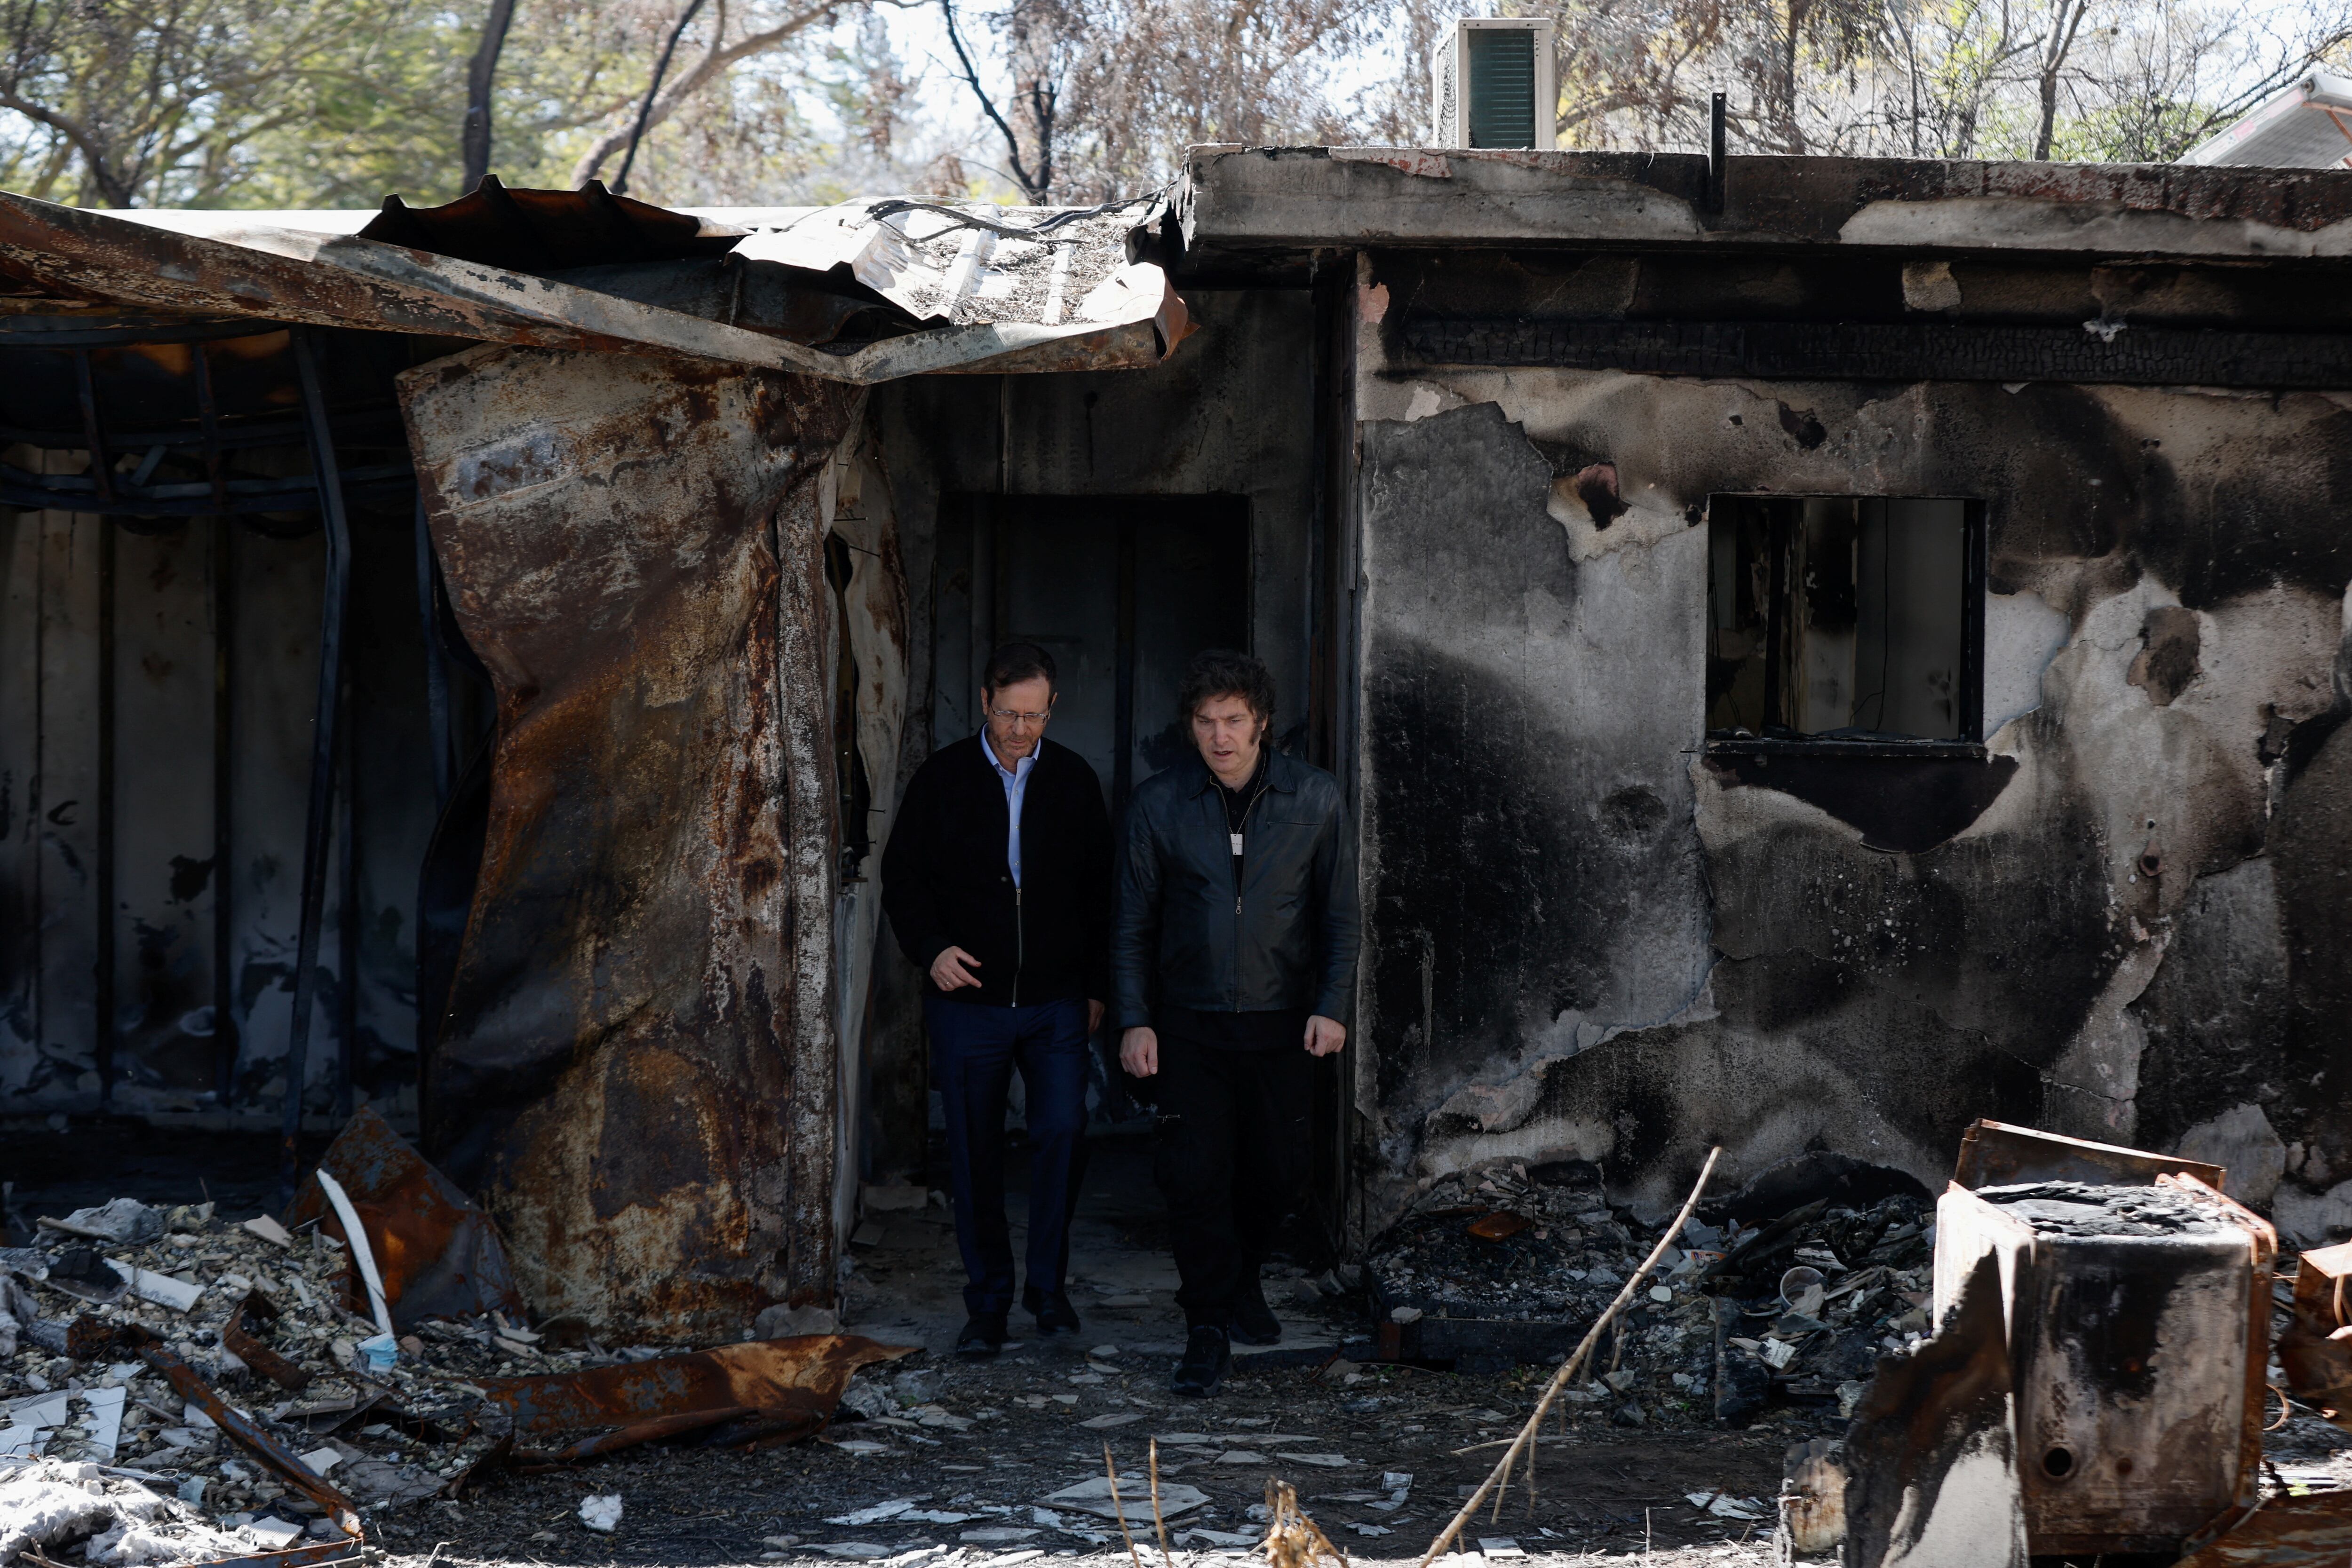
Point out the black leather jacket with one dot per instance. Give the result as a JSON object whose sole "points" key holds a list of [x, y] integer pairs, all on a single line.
{"points": [[1187, 937]]}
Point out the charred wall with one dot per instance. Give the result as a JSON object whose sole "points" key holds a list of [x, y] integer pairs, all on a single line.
{"points": [[146, 663], [1589, 937]]}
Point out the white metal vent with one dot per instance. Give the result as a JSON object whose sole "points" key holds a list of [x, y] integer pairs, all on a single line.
{"points": [[1491, 85]]}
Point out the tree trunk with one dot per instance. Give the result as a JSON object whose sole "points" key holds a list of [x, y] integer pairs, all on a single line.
{"points": [[1035, 95], [480, 75]]}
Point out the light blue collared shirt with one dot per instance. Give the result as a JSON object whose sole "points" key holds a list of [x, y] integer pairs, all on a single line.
{"points": [[1016, 781]]}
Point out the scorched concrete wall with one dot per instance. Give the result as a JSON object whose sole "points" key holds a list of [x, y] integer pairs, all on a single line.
{"points": [[1588, 940]]}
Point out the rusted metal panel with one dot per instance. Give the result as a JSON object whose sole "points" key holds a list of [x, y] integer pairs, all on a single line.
{"points": [[341, 280], [637, 1065], [2316, 1348], [438, 1256], [2137, 1323], [793, 1383], [2279, 1532], [1994, 1154]]}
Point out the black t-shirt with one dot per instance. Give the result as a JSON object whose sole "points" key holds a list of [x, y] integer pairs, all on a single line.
{"points": [[1269, 1030]]}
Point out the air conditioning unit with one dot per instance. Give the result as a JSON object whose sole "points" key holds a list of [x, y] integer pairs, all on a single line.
{"points": [[1494, 85]]}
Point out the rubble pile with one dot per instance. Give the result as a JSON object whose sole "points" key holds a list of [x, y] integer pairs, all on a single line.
{"points": [[1743, 1312], [177, 1387], [388, 1431]]}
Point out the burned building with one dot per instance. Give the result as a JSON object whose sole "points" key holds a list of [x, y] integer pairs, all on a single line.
{"points": [[1822, 651]]}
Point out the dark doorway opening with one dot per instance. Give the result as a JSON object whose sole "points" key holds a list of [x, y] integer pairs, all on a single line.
{"points": [[1122, 589]]}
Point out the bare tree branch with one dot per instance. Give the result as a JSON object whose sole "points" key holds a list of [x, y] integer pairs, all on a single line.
{"points": [[720, 58], [1036, 186]]}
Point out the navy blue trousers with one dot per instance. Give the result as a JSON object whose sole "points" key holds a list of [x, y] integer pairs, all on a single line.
{"points": [[974, 1049]]}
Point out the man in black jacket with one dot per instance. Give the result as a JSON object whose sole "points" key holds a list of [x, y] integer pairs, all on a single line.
{"points": [[997, 881], [1234, 961]]}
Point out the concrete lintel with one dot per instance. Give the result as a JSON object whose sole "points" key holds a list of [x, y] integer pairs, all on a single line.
{"points": [[1318, 197]]}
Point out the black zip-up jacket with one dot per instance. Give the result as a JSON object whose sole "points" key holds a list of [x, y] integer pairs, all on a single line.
{"points": [[1188, 937], [945, 884]]}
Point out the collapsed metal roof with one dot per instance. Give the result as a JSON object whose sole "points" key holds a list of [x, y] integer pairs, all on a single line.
{"points": [[863, 292]]}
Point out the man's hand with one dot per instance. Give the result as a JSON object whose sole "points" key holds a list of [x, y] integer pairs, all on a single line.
{"points": [[1094, 1015], [1324, 1036], [1139, 1052], [948, 971]]}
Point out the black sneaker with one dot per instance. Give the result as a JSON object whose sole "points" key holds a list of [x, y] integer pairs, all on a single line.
{"points": [[1055, 1313], [1207, 1356], [983, 1336], [1254, 1320]]}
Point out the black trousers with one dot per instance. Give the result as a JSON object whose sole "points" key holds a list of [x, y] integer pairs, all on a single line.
{"points": [[1234, 1146]]}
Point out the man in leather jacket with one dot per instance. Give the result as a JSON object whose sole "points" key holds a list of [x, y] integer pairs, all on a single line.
{"points": [[997, 881], [1234, 960]]}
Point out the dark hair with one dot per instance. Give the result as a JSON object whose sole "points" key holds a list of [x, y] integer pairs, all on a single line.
{"points": [[1223, 673], [1016, 662]]}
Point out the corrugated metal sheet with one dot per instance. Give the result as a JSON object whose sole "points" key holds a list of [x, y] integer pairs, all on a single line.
{"points": [[1127, 316], [638, 1067]]}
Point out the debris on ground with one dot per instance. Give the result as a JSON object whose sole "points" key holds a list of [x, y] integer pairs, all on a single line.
{"points": [[177, 1387], [1792, 1307]]}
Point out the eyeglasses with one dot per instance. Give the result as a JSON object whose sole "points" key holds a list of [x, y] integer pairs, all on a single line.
{"points": [[1009, 716]]}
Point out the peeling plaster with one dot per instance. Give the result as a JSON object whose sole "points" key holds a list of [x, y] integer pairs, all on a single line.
{"points": [[2022, 636]]}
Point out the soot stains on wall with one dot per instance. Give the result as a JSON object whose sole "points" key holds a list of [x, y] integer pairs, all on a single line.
{"points": [[2128, 927], [1526, 804]]}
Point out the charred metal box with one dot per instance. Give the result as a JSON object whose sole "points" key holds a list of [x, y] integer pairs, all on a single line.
{"points": [[2137, 1318]]}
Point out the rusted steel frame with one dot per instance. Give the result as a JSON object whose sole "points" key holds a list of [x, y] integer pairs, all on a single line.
{"points": [[240, 1342], [319, 823], [242, 1430]]}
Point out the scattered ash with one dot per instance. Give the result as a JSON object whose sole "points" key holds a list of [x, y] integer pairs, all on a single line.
{"points": [[2083, 1209], [1790, 1309], [1503, 1244]]}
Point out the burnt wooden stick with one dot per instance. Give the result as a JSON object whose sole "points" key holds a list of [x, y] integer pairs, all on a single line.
{"points": [[1571, 1367], [1118, 1509], [1158, 1524]]}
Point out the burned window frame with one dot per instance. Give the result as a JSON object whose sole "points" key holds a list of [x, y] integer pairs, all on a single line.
{"points": [[1969, 692]]}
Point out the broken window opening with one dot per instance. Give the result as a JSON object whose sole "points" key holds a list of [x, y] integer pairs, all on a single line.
{"points": [[1851, 620]]}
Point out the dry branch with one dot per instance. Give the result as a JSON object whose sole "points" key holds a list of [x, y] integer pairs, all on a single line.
{"points": [[1569, 1369]]}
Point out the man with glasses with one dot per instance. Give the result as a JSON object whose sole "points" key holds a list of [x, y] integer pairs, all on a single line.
{"points": [[997, 881]]}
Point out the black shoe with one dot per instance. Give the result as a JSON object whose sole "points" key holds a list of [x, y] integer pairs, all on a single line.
{"points": [[983, 1336], [1254, 1320], [1208, 1355], [1055, 1313]]}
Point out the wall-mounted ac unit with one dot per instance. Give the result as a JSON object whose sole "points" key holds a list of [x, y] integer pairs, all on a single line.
{"points": [[1494, 84]]}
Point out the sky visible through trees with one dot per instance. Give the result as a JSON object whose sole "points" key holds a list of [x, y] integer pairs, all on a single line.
{"points": [[322, 103]]}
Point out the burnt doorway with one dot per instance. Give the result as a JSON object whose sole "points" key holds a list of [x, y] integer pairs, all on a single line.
{"points": [[1122, 589]]}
